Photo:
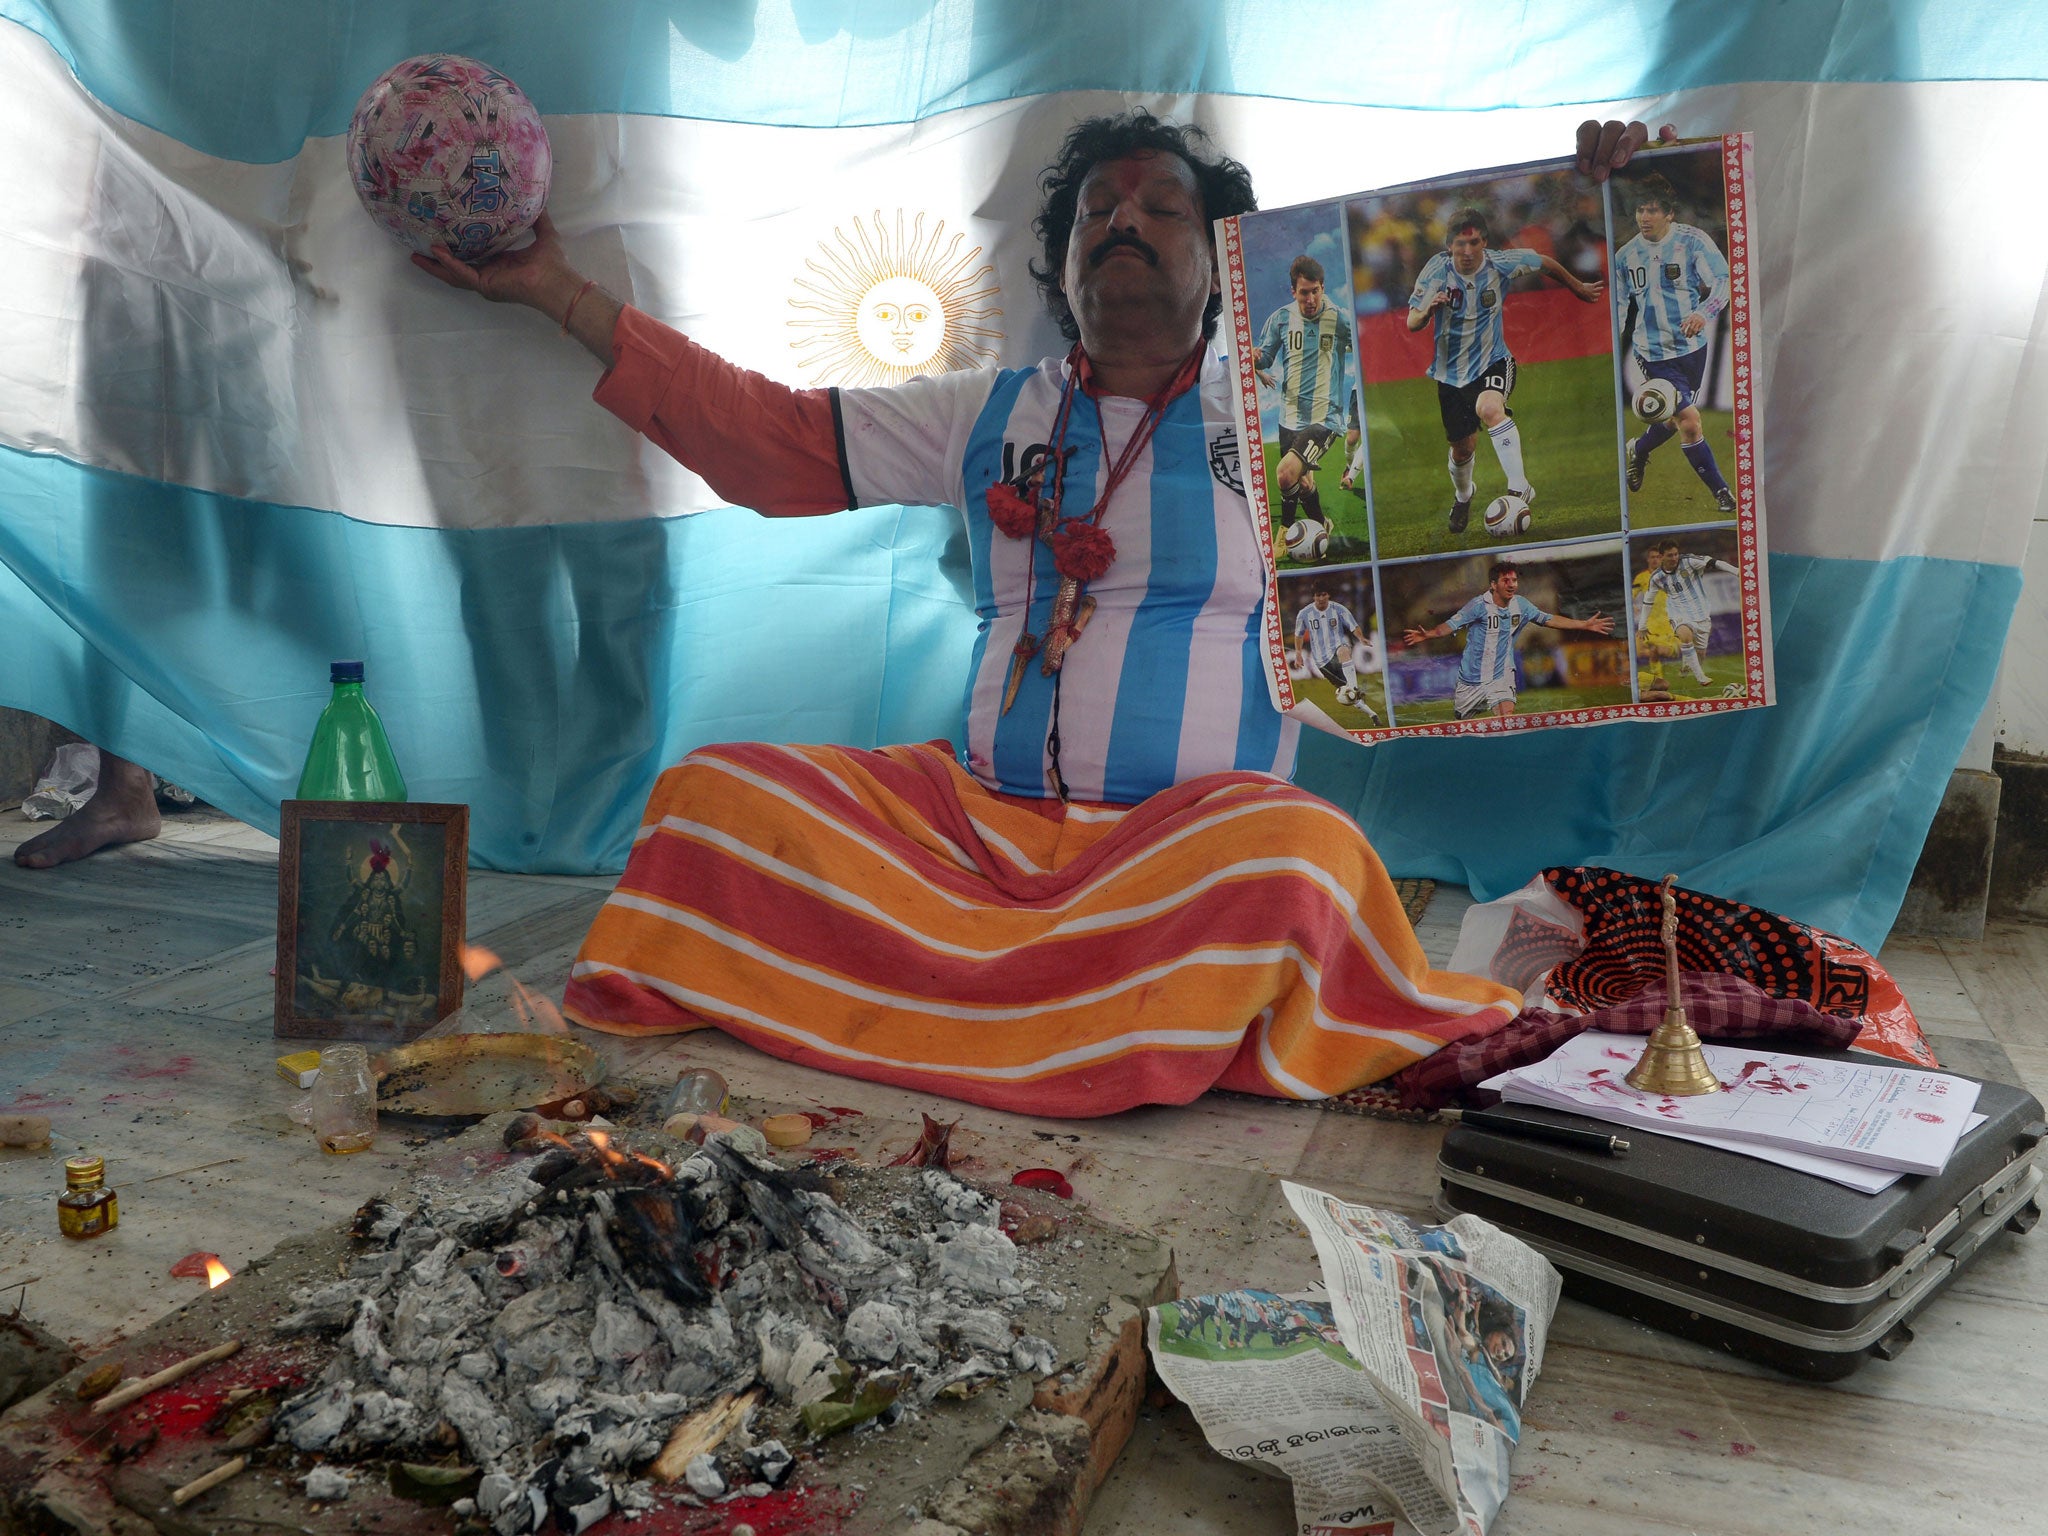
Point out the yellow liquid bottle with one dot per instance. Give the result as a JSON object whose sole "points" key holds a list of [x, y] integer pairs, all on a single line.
{"points": [[87, 1207]]}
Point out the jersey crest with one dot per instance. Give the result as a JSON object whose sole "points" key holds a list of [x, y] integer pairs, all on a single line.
{"points": [[1224, 462]]}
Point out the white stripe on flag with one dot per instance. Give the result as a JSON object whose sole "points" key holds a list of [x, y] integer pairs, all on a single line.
{"points": [[245, 329]]}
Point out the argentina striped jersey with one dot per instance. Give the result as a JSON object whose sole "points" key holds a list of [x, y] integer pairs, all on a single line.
{"points": [[1490, 631], [1683, 274], [1168, 682], [1469, 329], [1326, 630], [1656, 608], [1312, 358], [1685, 591]]}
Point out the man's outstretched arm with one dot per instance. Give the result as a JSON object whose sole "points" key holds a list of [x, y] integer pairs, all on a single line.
{"points": [[1585, 292], [1598, 624], [757, 443]]}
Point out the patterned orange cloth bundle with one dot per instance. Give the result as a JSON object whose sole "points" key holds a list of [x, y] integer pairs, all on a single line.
{"points": [[882, 915]]}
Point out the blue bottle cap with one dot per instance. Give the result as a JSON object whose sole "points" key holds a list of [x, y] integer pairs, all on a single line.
{"points": [[345, 672]]}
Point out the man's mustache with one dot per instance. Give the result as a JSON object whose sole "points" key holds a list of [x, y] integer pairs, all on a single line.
{"points": [[1100, 254]]}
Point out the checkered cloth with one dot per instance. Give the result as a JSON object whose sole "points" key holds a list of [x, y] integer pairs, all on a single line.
{"points": [[1718, 1006]]}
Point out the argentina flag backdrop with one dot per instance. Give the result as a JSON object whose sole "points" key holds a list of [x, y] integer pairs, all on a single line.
{"points": [[240, 435]]}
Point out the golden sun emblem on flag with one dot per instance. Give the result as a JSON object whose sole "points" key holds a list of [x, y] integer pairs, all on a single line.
{"points": [[882, 306]]}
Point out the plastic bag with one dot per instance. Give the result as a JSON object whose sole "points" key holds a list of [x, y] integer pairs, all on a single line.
{"points": [[1577, 940], [66, 784]]}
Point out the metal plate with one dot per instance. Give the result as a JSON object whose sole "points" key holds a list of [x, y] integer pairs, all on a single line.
{"points": [[481, 1074]]}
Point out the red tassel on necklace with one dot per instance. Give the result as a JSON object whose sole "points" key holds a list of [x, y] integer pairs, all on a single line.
{"points": [[1081, 549], [1015, 515]]}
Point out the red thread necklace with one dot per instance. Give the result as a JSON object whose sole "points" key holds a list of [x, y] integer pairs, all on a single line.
{"points": [[1082, 548]]}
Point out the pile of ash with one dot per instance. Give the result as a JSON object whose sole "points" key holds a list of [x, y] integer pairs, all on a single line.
{"points": [[554, 1319]]}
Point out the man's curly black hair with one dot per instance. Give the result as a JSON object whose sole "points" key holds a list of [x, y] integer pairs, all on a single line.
{"points": [[1226, 189]]}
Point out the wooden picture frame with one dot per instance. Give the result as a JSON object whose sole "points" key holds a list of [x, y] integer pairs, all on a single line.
{"points": [[370, 918]]}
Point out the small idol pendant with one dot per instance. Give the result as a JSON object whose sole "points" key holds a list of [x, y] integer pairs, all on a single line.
{"points": [[1070, 615], [1020, 656]]}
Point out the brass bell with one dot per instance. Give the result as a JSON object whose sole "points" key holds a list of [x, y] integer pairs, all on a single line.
{"points": [[1673, 1063]]}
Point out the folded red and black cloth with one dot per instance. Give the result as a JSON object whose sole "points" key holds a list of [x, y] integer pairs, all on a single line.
{"points": [[1747, 973], [1719, 1007], [1623, 952]]}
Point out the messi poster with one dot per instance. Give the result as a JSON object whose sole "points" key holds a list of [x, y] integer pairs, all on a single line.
{"points": [[1499, 433]]}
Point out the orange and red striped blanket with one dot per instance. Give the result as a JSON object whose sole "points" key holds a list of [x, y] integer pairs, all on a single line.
{"points": [[882, 915]]}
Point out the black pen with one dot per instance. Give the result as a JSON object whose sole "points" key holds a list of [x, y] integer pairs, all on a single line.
{"points": [[1541, 1130]]}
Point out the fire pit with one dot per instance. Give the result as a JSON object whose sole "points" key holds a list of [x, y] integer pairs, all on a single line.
{"points": [[583, 1327]]}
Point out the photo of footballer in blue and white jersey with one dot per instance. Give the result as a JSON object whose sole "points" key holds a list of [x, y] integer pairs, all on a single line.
{"points": [[1686, 605], [1461, 297], [1538, 635], [1671, 292], [1333, 648], [1304, 357], [1480, 314], [1569, 569]]}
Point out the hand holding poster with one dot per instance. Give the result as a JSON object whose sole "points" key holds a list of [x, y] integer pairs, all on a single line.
{"points": [[1499, 432]]}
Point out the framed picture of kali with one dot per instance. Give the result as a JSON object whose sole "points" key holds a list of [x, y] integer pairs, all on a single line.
{"points": [[370, 898]]}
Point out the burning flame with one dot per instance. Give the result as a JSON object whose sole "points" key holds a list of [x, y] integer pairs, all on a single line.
{"points": [[613, 1161], [535, 1011], [217, 1274]]}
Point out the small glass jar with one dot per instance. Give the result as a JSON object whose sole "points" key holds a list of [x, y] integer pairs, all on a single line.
{"points": [[87, 1207], [344, 1100], [698, 1091]]}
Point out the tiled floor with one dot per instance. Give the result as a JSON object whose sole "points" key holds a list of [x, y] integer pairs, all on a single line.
{"points": [[135, 1007]]}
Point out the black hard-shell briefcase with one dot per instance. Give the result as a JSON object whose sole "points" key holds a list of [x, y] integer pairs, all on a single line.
{"points": [[1766, 1262]]}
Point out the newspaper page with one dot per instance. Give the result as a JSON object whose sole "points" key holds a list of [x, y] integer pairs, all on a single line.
{"points": [[1499, 432], [1392, 1396], [1269, 1380], [1449, 1322]]}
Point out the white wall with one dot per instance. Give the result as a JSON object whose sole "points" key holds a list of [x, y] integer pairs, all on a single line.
{"points": [[2021, 698]]}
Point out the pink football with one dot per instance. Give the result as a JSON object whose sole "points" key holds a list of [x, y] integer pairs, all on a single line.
{"points": [[446, 151]]}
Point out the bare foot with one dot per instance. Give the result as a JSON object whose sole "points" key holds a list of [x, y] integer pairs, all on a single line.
{"points": [[122, 810]]}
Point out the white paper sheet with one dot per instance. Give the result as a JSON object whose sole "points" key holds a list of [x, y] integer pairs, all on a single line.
{"points": [[1880, 1116]]}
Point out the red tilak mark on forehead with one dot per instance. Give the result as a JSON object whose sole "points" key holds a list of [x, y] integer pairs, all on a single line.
{"points": [[1128, 175]]}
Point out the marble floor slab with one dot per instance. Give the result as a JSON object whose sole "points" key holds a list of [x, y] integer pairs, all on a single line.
{"points": [[135, 1004]]}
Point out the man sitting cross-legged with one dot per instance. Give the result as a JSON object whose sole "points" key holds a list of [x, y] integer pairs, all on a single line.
{"points": [[1112, 896]]}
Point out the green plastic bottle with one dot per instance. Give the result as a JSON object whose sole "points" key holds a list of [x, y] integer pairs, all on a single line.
{"points": [[349, 758]]}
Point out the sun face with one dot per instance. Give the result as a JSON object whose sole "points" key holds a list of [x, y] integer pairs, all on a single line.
{"points": [[901, 321], [879, 308]]}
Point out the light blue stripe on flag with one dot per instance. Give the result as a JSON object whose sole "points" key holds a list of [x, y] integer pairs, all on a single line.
{"points": [[1816, 808], [192, 632], [252, 81], [542, 676]]}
